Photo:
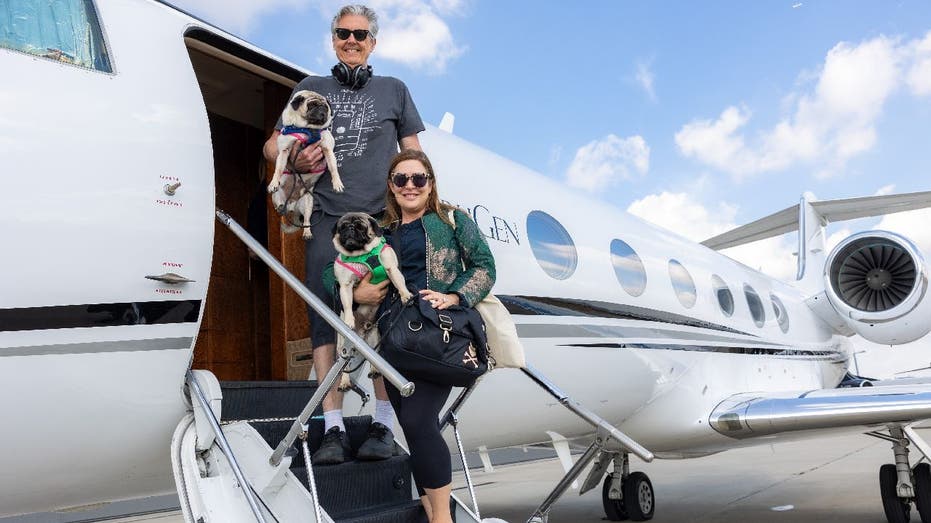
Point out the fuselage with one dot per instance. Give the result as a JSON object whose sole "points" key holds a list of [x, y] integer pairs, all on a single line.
{"points": [[93, 354]]}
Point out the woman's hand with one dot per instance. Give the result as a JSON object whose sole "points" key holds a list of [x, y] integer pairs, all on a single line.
{"points": [[438, 300], [367, 294]]}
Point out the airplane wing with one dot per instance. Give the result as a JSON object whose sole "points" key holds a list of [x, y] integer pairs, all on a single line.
{"points": [[786, 220], [750, 415]]}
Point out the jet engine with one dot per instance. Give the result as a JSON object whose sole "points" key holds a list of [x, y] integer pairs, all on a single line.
{"points": [[877, 281]]}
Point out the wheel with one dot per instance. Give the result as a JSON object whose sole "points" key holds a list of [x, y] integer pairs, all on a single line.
{"points": [[638, 497], [614, 508], [897, 510], [923, 491]]}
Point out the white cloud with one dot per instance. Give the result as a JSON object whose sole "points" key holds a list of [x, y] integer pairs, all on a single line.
{"points": [[681, 214], [828, 124], [913, 225], [886, 190], [412, 32], [919, 75], [644, 77], [602, 163], [236, 16]]}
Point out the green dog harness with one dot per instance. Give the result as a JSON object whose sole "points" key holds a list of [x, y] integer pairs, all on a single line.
{"points": [[365, 263]]}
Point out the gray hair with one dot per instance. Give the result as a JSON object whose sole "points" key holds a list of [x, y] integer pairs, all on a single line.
{"points": [[360, 10]]}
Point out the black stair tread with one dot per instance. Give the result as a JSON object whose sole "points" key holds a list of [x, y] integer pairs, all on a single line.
{"points": [[266, 399], [410, 512], [357, 487]]}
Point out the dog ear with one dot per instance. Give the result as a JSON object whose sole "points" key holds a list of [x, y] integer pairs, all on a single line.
{"points": [[375, 227], [297, 101]]}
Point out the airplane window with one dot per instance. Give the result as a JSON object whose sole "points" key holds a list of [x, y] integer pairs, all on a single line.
{"points": [[782, 317], [682, 283], [66, 31], [628, 268], [756, 306], [551, 245], [723, 293]]}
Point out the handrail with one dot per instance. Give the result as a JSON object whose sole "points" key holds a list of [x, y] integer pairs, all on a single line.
{"points": [[593, 419], [225, 447], [406, 388]]}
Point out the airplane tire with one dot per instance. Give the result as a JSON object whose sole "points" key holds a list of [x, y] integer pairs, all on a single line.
{"points": [[638, 497], [922, 475], [614, 508], [896, 509]]}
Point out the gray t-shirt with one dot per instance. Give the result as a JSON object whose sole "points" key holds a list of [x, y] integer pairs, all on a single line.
{"points": [[367, 125]]}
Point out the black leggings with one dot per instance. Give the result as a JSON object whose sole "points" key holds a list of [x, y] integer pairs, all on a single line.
{"points": [[419, 418]]}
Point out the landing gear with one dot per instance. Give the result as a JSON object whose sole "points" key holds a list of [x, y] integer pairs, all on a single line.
{"points": [[626, 495], [638, 497], [898, 510], [922, 475]]}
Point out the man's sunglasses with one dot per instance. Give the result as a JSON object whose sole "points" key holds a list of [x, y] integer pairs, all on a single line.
{"points": [[359, 34], [419, 179]]}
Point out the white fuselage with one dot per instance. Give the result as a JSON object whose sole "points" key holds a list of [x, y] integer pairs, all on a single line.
{"points": [[93, 354]]}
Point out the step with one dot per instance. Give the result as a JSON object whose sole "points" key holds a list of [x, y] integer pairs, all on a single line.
{"points": [[265, 399], [411, 512], [357, 487]]}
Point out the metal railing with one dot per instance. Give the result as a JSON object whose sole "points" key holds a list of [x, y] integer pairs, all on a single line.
{"points": [[198, 393]]}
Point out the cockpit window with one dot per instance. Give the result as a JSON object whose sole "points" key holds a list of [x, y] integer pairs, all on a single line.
{"points": [[66, 31]]}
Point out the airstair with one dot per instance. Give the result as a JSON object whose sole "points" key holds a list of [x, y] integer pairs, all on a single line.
{"points": [[242, 453]]}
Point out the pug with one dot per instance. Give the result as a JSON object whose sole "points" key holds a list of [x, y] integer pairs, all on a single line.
{"points": [[362, 249], [306, 119]]}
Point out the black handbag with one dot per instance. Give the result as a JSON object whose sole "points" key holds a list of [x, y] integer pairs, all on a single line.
{"points": [[447, 347]]}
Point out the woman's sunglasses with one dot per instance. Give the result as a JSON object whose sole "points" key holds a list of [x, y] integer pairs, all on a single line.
{"points": [[359, 34], [419, 179]]}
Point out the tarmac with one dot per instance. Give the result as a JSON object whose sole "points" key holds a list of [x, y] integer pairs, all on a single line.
{"points": [[822, 480]]}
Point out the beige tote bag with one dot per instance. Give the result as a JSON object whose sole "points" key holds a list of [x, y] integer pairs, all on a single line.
{"points": [[506, 349]]}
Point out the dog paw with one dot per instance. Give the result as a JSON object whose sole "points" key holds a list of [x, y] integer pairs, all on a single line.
{"points": [[272, 187], [344, 383], [338, 186], [406, 297], [307, 234]]}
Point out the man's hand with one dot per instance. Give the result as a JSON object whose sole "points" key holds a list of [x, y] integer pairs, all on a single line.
{"points": [[367, 294], [310, 160]]}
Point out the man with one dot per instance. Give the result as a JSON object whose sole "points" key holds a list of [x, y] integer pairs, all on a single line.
{"points": [[373, 116]]}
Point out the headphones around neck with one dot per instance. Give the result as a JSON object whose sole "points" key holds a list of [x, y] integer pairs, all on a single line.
{"points": [[353, 78]]}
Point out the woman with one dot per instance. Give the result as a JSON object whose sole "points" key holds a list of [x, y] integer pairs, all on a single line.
{"points": [[453, 265]]}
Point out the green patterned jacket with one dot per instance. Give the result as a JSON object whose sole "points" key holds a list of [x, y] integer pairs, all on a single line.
{"points": [[458, 260]]}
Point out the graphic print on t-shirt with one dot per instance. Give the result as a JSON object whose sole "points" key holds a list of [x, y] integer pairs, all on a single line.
{"points": [[354, 119]]}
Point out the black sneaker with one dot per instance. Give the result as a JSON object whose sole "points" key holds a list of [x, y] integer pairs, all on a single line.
{"points": [[334, 449], [379, 445]]}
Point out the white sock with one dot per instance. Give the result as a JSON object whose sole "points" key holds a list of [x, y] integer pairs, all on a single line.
{"points": [[333, 418], [384, 413]]}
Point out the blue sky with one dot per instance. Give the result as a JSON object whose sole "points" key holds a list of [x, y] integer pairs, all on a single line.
{"points": [[695, 115]]}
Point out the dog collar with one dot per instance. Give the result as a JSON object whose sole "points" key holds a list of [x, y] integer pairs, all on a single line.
{"points": [[369, 260], [303, 134]]}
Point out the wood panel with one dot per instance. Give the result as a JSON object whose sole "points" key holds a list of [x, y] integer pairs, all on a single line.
{"points": [[288, 312], [234, 336]]}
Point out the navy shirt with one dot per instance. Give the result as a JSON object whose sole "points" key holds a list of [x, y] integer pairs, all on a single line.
{"points": [[409, 241]]}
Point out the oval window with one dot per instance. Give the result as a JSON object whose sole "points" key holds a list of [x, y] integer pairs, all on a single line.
{"points": [[552, 246], [628, 268], [757, 312], [723, 293], [682, 283], [782, 316]]}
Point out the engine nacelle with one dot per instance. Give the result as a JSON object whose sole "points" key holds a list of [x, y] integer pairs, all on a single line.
{"points": [[877, 281]]}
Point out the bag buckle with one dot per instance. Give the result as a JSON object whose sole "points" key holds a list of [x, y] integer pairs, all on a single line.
{"points": [[446, 324]]}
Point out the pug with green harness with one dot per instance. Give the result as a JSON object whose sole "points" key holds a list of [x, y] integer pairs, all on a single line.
{"points": [[361, 250]]}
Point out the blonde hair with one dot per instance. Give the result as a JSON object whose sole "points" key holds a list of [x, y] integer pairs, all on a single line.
{"points": [[393, 210]]}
